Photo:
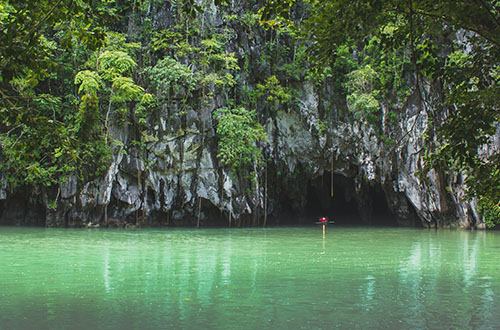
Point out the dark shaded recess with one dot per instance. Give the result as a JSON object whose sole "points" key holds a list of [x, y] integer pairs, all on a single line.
{"points": [[496, 227], [381, 215], [17, 210], [289, 212], [344, 207], [2, 210], [211, 215]]}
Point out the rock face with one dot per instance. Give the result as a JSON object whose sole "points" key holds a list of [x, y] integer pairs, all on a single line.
{"points": [[179, 179]]}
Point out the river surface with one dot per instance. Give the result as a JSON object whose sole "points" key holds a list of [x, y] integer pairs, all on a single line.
{"points": [[277, 278]]}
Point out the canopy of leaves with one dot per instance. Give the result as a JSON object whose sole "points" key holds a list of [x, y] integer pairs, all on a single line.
{"points": [[456, 43], [25, 47], [115, 63], [90, 82], [39, 143], [170, 77]]}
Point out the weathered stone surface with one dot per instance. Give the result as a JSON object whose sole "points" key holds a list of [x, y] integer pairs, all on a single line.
{"points": [[124, 190], [208, 179], [69, 188], [191, 146], [179, 164], [131, 165], [3, 187]]}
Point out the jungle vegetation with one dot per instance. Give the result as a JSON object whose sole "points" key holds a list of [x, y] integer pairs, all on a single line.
{"points": [[70, 67]]}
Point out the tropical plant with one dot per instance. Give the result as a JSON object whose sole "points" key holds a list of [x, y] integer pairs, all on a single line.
{"points": [[238, 133]]}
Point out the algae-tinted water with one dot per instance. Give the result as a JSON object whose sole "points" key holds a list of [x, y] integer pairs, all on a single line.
{"points": [[278, 278]]}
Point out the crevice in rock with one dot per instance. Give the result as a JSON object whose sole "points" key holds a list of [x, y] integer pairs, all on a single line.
{"points": [[381, 215], [211, 215], [347, 207]]}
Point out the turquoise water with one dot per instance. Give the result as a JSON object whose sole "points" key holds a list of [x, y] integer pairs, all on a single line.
{"points": [[278, 278]]}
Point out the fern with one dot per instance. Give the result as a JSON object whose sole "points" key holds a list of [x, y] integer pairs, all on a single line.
{"points": [[90, 82], [169, 74], [115, 63], [126, 90]]}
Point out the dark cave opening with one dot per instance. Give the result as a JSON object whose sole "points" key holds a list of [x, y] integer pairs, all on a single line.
{"points": [[344, 208], [381, 215]]}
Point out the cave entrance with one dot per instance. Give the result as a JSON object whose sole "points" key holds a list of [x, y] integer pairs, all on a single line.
{"points": [[381, 214], [344, 207]]}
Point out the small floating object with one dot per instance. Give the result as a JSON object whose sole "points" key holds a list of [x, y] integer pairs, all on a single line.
{"points": [[324, 221]]}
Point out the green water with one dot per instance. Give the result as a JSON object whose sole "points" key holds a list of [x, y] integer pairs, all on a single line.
{"points": [[278, 278]]}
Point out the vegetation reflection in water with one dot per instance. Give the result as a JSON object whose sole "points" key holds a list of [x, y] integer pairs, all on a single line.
{"points": [[277, 278]]}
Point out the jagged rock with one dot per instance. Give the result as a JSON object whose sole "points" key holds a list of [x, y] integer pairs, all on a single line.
{"points": [[131, 165], [208, 179], [180, 165], [69, 188], [191, 146], [88, 195], [126, 191], [168, 191]]}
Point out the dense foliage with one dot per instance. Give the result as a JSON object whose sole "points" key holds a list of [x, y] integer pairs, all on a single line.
{"points": [[43, 44], [72, 70]]}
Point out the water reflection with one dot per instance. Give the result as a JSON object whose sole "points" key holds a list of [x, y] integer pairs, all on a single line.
{"points": [[444, 268], [253, 278]]}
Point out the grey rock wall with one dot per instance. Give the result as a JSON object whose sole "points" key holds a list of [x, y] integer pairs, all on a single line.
{"points": [[180, 179], [183, 168]]}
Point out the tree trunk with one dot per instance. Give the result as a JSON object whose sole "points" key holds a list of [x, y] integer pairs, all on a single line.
{"points": [[106, 215], [265, 197], [331, 177], [199, 213]]}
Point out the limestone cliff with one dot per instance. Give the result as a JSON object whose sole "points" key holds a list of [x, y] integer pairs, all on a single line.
{"points": [[178, 177]]}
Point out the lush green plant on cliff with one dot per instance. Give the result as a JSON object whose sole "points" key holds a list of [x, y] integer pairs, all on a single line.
{"points": [[272, 91], [109, 80], [171, 78], [238, 133], [197, 61], [175, 42], [363, 88], [218, 66], [490, 211], [375, 82]]}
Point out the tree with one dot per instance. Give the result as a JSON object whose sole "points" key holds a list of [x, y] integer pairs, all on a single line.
{"points": [[27, 43], [455, 43], [115, 68], [239, 133], [37, 141]]}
